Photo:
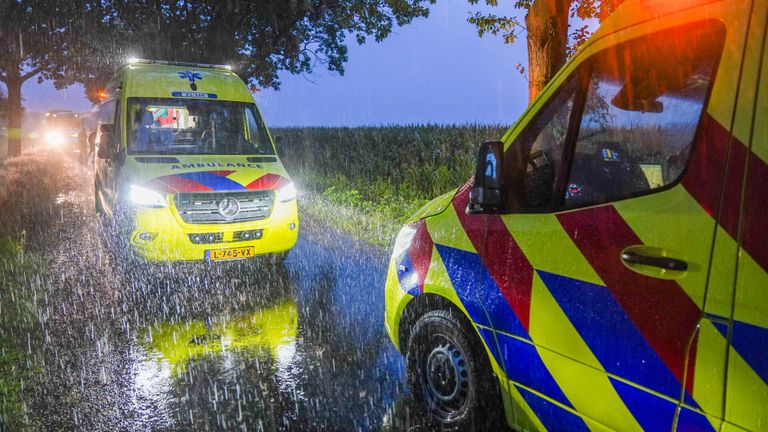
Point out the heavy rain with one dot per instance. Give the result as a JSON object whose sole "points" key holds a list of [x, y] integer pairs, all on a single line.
{"points": [[400, 215]]}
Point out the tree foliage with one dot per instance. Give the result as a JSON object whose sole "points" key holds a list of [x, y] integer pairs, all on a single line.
{"points": [[551, 38], [86, 41], [510, 28], [259, 38], [37, 37]]}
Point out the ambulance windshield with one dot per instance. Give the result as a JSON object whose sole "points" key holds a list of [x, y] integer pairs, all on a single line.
{"points": [[194, 126]]}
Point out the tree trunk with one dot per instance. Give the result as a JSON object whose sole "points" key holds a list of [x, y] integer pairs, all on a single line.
{"points": [[547, 24], [13, 83]]}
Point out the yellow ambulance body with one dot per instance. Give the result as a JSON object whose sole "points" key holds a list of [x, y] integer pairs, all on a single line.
{"points": [[606, 268], [186, 167]]}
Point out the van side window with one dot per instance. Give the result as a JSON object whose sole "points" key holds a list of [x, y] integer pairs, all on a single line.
{"points": [[107, 112], [537, 154], [643, 105], [256, 132]]}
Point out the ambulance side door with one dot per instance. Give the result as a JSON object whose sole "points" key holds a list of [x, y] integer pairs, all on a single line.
{"points": [[746, 330], [603, 254]]}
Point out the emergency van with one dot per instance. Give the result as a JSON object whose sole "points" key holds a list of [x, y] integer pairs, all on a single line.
{"points": [[606, 268], [187, 169], [62, 128]]}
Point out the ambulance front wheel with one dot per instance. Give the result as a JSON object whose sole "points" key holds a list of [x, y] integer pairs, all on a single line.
{"points": [[451, 376]]}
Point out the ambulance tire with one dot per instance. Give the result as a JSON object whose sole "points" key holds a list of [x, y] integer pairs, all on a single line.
{"points": [[450, 375]]}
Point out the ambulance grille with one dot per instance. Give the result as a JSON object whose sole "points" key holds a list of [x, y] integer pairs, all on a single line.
{"points": [[203, 207]]}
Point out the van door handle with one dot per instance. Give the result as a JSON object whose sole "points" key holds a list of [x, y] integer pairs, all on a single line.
{"points": [[663, 262]]}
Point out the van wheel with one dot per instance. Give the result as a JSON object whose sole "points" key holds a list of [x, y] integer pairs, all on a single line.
{"points": [[451, 376]]}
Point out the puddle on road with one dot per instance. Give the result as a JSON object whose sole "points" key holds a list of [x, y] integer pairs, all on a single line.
{"points": [[299, 347], [224, 371]]}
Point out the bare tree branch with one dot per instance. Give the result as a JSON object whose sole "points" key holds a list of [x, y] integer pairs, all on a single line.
{"points": [[31, 73]]}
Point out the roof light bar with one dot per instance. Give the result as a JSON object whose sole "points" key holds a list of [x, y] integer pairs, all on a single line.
{"points": [[133, 60]]}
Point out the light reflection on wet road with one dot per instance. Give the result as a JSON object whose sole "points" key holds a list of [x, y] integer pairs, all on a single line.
{"points": [[298, 347], [239, 346]]}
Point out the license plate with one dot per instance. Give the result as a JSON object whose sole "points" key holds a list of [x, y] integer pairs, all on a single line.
{"points": [[231, 253]]}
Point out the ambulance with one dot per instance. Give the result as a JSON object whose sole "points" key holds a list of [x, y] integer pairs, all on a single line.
{"points": [[61, 129], [186, 168], [606, 268]]}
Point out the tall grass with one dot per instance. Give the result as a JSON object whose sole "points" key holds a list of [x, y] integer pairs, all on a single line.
{"points": [[379, 175], [29, 187]]}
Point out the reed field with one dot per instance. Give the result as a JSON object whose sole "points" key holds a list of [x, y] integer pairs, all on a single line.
{"points": [[368, 180]]}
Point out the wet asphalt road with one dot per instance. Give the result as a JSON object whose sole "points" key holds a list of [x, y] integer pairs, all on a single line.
{"points": [[242, 346]]}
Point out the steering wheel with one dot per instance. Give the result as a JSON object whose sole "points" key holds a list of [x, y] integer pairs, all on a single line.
{"points": [[205, 136]]}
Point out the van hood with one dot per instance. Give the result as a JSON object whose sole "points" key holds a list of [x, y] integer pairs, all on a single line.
{"points": [[434, 207], [172, 174]]}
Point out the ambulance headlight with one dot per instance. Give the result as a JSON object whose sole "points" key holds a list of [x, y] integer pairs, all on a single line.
{"points": [[147, 197], [287, 193], [403, 242]]}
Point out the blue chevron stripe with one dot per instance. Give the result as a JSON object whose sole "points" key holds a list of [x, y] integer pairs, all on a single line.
{"points": [[652, 412], [523, 365], [213, 181], [632, 358], [478, 293], [751, 342], [553, 417]]}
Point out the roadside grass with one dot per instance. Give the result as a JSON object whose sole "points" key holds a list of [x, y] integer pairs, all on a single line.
{"points": [[17, 322], [29, 187], [367, 181]]}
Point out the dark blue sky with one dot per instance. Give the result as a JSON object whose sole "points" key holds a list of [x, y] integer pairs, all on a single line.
{"points": [[436, 70]]}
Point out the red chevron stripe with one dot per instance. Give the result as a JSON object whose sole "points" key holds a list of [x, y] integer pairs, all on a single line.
{"points": [[755, 219], [660, 309], [420, 252], [706, 173], [708, 170], [501, 255], [268, 181]]}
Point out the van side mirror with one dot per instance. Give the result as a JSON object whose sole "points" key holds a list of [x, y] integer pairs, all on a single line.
{"points": [[106, 142], [486, 195]]}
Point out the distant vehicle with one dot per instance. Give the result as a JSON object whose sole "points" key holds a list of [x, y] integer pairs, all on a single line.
{"points": [[61, 129], [188, 168], [606, 267]]}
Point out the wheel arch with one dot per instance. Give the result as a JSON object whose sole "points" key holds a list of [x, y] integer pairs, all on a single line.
{"points": [[422, 304]]}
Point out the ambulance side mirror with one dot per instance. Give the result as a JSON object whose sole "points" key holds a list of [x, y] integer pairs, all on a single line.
{"points": [[486, 195], [106, 142]]}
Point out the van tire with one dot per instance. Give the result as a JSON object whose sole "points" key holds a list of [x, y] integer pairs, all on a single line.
{"points": [[450, 375]]}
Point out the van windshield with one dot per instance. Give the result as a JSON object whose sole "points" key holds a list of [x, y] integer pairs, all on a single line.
{"points": [[194, 126]]}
